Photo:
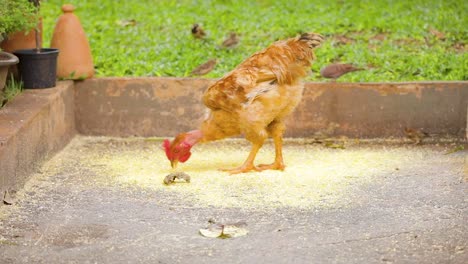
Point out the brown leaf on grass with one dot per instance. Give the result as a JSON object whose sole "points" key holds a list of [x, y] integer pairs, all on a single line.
{"points": [[342, 40], [439, 35], [231, 230], [197, 31], [459, 47], [379, 37], [372, 47], [335, 70], [408, 41], [231, 41], [204, 68], [126, 22]]}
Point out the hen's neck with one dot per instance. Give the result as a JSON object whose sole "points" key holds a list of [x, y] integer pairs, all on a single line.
{"points": [[193, 137]]}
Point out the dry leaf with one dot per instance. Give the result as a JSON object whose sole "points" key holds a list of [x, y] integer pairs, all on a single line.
{"points": [[126, 22], [416, 135], [217, 230], [204, 68], [214, 230], [197, 31], [8, 198], [231, 41], [171, 178], [334, 145], [342, 40], [335, 70], [235, 230], [455, 149], [436, 33]]}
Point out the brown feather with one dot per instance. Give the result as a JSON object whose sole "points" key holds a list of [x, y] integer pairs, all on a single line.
{"points": [[285, 62]]}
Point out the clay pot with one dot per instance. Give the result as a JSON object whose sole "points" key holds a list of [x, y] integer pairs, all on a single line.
{"points": [[22, 40], [75, 60], [6, 60]]}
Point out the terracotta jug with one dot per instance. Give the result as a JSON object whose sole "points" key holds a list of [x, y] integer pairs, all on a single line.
{"points": [[74, 60]]}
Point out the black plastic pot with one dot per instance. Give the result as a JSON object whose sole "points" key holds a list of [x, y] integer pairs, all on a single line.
{"points": [[37, 69]]}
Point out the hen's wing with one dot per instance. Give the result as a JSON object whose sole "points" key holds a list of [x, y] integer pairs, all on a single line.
{"points": [[284, 62]]}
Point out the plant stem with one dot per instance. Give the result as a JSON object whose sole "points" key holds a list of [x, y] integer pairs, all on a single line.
{"points": [[38, 41], [36, 30]]}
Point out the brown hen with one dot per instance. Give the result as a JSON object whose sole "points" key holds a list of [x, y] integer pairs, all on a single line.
{"points": [[253, 100]]}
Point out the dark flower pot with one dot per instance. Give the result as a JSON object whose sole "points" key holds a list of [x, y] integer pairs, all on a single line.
{"points": [[37, 69]]}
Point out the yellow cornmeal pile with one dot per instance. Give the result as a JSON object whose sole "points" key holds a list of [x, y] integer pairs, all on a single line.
{"points": [[314, 177]]}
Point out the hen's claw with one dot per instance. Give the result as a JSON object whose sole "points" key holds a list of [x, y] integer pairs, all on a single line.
{"points": [[241, 169], [273, 166]]}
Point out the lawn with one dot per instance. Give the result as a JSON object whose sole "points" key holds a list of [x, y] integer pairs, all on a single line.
{"points": [[394, 40]]}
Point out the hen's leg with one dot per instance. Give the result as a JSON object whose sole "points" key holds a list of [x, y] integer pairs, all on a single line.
{"points": [[276, 131], [248, 164], [257, 139]]}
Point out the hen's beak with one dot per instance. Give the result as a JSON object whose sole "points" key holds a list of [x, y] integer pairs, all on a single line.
{"points": [[174, 163]]}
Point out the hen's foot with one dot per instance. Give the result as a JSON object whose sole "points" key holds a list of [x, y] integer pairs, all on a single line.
{"points": [[273, 166], [241, 169]]}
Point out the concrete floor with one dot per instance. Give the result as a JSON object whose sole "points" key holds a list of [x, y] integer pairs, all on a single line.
{"points": [[102, 200]]}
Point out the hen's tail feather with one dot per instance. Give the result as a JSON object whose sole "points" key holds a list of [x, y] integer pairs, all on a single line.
{"points": [[314, 40]]}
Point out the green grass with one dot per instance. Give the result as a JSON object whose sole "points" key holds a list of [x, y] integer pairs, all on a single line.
{"points": [[391, 38], [12, 89]]}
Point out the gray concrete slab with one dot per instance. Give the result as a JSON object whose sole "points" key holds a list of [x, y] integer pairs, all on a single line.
{"points": [[101, 200]]}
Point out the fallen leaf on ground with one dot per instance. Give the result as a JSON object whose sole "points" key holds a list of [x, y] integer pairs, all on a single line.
{"points": [[235, 230], [171, 178], [214, 230], [416, 135], [217, 230], [8, 198], [455, 149], [334, 145]]}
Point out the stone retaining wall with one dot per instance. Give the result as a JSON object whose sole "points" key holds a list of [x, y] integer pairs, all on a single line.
{"points": [[33, 127]]}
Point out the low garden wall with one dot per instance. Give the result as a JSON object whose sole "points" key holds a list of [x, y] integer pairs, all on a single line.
{"points": [[34, 126], [167, 106]]}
